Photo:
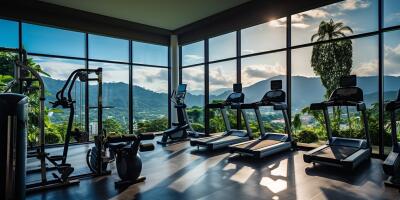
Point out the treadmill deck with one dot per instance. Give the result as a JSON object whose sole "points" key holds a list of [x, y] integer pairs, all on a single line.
{"points": [[256, 144], [336, 152]]}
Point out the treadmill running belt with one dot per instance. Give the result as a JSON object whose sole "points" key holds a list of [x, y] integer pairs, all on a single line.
{"points": [[257, 144], [336, 152], [223, 139]]}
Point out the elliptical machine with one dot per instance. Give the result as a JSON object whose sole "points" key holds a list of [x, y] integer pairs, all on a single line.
{"points": [[179, 130], [391, 166]]}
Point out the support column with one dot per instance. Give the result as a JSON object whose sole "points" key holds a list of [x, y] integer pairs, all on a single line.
{"points": [[174, 71]]}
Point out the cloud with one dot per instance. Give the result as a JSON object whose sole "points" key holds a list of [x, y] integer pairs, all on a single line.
{"points": [[277, 23], [300, 25], [316, 13], [392, 60], [57, 68], [366, 69], [298, 20], [254, 73], [194, 77], [354, 4], [190, 58], [216, 78], [393, 17], [154, 79]]}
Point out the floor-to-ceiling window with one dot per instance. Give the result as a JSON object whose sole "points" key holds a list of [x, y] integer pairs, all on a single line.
{"points": [[391, 62], [150, 87], [354, 41], [354, 56], [193, 75], [57, 52]]}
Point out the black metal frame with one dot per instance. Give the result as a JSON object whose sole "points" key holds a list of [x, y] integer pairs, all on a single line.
{"points": [[87, 60], [288, 49]]}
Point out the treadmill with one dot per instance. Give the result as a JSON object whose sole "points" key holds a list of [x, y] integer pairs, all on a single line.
{"points": [[391, 166], [230, 136], [347, 153], [268, 143]]}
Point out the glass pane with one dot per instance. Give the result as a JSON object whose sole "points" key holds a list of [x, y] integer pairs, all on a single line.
{"points": [[257, 73], [221, 78], [352, 13], [264, 37], [150, 99], [58, 71], [150, 54], [391, 12], [107, 48], [193, 53], [8, 34], [361, 60], [115, 97], [222, 47], [6, 69], [46, 40], [194, 78], [391, 79]]}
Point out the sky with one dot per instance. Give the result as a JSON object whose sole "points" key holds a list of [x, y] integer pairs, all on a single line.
{"points": [[360, 15]]}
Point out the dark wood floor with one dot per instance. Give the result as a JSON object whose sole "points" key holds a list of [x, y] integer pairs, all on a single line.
{"points": [[181, 172]]}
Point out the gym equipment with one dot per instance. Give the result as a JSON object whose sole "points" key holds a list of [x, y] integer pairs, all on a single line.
{"points": [[230, 136], [391, 166], [66, 101], [13, 121], [347, 153], [124, 150], [179, 130], [268, 143], [24, 77]]}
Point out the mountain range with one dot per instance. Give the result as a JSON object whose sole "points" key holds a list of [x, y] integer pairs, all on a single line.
{"points": [[149, 104]]}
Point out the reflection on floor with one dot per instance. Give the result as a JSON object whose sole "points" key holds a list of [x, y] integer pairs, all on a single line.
{"points": [[181, 172]]}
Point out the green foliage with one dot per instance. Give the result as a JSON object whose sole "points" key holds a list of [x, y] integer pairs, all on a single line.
{"points": [[331, 60], [152, 125], [198, 127], [112, 126], [296, 122], [307, 136], [53, 138]]}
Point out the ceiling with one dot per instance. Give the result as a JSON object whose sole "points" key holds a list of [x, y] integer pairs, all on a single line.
{"points": [[167, 14]]}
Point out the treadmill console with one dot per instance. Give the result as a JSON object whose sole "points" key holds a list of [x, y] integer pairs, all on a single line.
{"points": [[348, 90], [237, 88], [276, 84], [348, 81], [237, 96], [276, 94]]}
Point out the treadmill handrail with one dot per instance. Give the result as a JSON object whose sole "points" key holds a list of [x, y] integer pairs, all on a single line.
{"points": [[216, 105], [254, 105], [325, 104], [392, 105]]}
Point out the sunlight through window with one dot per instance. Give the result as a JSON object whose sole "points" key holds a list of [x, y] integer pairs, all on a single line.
{"points": [[275, 186], [242, 175]]}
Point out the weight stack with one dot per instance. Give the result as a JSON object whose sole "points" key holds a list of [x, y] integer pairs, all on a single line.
{"points": [[13, 139]]}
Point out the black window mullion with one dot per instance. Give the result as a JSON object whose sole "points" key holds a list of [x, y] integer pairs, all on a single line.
{"points": [[381, 81], [238, 73], [130, 91], [206, 89]]}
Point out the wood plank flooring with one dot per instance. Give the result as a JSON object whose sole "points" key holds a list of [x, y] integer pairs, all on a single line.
{"points": [[179, 171]]}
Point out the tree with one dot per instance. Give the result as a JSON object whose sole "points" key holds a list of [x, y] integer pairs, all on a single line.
{"points": [[332, 60], [296, 122]]}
